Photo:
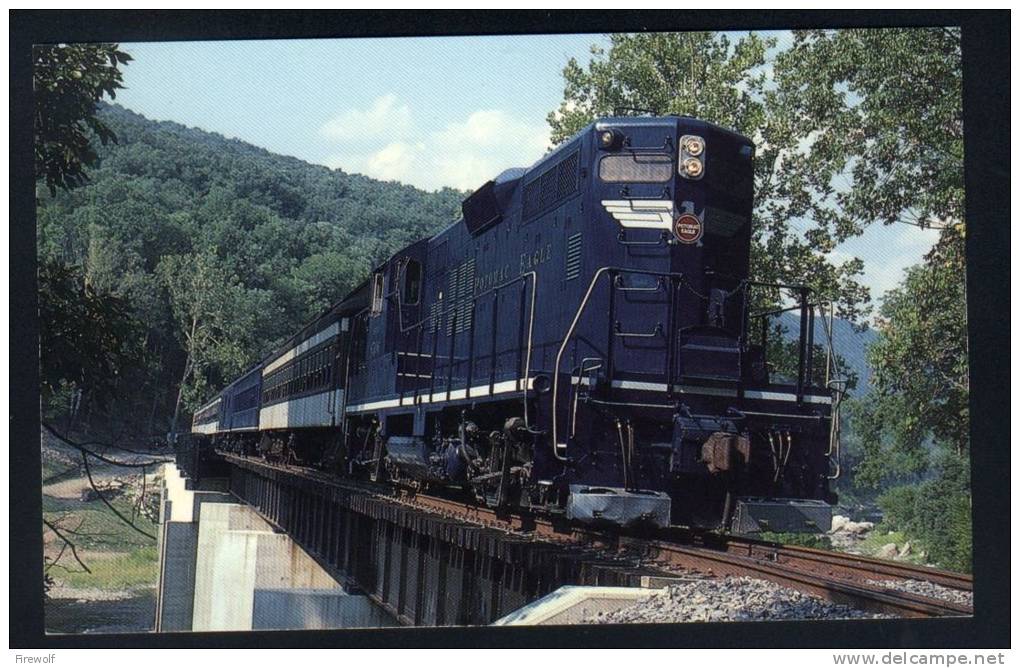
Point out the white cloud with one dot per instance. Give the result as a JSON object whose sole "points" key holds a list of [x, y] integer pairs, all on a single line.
{"points": [[384, 118], [887, 251], [467, 154], [462, 155]]}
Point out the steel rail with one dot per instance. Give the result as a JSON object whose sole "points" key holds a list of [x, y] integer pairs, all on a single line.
{"points": [[851, 565]]}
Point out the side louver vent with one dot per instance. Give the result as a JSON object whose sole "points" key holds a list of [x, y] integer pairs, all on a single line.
{"points": [[461, 284], [573, 256]]}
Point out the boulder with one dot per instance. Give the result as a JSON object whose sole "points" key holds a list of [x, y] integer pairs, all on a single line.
{"points": [[838, 522], [858, 528], [905, 550], [887, 551]]}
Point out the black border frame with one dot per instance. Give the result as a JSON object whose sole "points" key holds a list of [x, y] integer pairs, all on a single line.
{"points": [[986, 64]]}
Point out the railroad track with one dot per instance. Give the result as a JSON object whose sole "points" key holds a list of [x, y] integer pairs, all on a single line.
{"points": [[841, 578], [847, 579], [842, 564]]}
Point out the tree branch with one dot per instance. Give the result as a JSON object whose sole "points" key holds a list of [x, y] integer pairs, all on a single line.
{"points": [[68, 543], [88, 472], [84, 450]]}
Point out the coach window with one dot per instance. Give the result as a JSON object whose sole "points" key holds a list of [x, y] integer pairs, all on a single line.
{"points": [[411, 289], [636, 168]]}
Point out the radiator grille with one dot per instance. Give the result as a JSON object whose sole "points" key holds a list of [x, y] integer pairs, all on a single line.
{"points": [[566, 177], [551, 187]]}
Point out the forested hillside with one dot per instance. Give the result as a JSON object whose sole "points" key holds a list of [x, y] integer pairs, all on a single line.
{"points": [[219, 250]]}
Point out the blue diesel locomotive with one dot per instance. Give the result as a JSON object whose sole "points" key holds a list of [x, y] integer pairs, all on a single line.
{"points": [[580, 342]]}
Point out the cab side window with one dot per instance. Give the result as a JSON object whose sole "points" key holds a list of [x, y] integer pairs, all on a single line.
{"points": [[411, 288]]}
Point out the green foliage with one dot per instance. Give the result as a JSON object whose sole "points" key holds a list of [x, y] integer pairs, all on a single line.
{"points": [[68, 81], [897, 504], [937, 512], [216, 318], [699, 74], [274, 240], [115, 571], [883, 109], [86, 337], [921, 391], [915, 423]]}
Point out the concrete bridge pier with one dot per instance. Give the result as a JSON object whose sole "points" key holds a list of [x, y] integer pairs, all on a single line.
{"points": [[224, 568]]}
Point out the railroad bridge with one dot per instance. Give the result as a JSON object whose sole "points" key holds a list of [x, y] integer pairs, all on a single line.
{"points": [[421, 567], [341, 553]]}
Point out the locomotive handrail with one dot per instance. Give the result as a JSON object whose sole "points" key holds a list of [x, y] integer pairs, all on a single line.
{"points": [[531, 327], [665, 195], [618, 284], [769, 314], [805, 348], [580, 373], [784, 286], [636, 335], [570, 333], [621, 239], [474, 302]]}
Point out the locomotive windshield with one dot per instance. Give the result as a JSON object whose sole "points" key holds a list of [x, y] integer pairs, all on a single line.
{"points": [[636, 168]]}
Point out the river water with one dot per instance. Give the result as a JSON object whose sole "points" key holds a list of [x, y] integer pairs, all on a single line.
{"points": [[130, 615]]}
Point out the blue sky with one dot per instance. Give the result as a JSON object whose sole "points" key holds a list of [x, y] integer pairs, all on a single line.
{"points": [[428, 111]]}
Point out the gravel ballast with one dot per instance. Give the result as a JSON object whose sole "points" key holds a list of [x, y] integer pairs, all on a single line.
{"points": [[929, 589], [729, 599]]}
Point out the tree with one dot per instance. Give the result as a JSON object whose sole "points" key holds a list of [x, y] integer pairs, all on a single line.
{"points": [[321, 277], [913, 428], [921, 385], [709, 76], [881, 116], [86, 338], [216, 320], [68, 81], [699, 74], [880, 112]]}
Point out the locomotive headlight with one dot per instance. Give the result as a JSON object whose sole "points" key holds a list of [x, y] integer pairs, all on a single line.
{"points": [[693, 168], [692, 157], [609, 139]]}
